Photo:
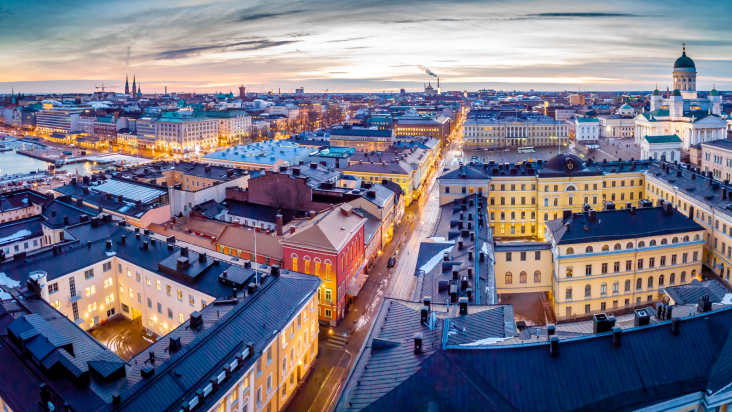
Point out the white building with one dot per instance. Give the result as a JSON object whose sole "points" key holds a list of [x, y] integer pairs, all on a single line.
{"points": [[618, 125], [666, 148], [56, 117], [694, 120], [587, 130]]}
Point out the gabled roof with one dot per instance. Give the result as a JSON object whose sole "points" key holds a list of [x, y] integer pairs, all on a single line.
{"points": [[328, 230], [690, 293]]}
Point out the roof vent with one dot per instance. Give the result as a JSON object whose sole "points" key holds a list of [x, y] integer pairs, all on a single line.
{"points": [[617, 334], [147, 371], [175, 344], [602, 323], [704, 304], [196, 320], [417, 342], [554, 346]]}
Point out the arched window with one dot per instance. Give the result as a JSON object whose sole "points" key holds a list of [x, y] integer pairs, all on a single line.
{"points": [[639, 284], [616, 286], [513, 215], [522, 277], [660, 281], [317, 266], [605, 248], [617, 246], [675, 240], [650, 282], [641, 244], [629, 245], [570, 251], [588, 291], [546, 216], [571, 188], [306, 261], [294, 262], [509, 278], [523, 215], [652, 243], [672, 278], [664, 241], [693, 273], [503, 216], [627, 285], [686, 238], [546, 188], [537, 277], [589, 249], [603, 289], [493, 215], [568, 293], [696, 237], [533, 215]]}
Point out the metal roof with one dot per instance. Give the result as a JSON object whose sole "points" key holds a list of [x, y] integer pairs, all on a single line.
{"points": [[130, 191]]}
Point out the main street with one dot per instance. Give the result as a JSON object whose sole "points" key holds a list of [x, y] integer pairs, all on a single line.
{"points": [[339, 346]]}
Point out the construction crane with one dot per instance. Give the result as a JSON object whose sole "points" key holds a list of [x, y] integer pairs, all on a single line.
{"points": [[102, 87]]}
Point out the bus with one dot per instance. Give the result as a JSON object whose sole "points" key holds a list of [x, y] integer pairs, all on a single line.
{"points": [[527, 149]]}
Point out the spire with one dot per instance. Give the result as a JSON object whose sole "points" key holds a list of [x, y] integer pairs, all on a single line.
{"points": [[127, 84], [683, 48], [134, 85], [139, 89]]}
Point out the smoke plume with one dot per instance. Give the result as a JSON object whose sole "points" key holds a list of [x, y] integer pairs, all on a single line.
{"points": [[426, 70]]}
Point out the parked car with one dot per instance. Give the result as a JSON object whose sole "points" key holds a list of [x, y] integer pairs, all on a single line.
{"points": [[392, 262]]}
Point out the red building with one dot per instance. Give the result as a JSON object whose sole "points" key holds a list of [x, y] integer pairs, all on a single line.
{"points": [[330, 246]]}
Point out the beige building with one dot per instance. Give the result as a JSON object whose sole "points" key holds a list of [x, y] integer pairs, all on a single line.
{"points": [[620, 259], [716, 157], [513, 132]]}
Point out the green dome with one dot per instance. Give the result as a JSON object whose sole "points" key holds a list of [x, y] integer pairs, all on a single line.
{"points": [[684, 62], [656, 92], [714, 92], [676, 92]]}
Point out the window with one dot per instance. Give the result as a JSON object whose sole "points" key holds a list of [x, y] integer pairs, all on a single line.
{"points": [[537, 277], [663, 260], [651, 262], [509, 278], [627, 285], [569, 271], [652, 243], [522, 277], [328, 295], [570, 251], [523, 256], [683, 276], [508, 256], [91, 290], [603, 289], [616, 267], [639, 284], [650, 282], [180, 295], [604, 268], [672, 278], [88, 274], [588, 249], [149, 303], [139, 297], [191, 300], [660, 281], [616, 286], [588, 270], [629, 245], [568, 293], [107, 266], [641, 244], [588, 291], [52, 288], [628, 265]]}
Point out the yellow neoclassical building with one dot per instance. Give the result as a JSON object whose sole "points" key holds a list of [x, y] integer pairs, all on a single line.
{"points": [[619, 259], [522, 197]]}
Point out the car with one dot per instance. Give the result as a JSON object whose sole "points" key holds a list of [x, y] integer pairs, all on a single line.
{"points": [[475, 159], [392, 261]]}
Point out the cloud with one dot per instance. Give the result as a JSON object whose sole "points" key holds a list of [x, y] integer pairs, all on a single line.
{"points": [[579, 15], [239, 46], [428, 20], [343, 40], [262, 16]]}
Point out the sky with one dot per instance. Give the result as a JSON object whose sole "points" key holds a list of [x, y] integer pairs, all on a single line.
{"points": [[364, 46]]}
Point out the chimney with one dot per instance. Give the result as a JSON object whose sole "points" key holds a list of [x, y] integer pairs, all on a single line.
{"points": [[642, 318], [469, 293], [453, 293], [704, 305], [202, 257], [417, 343], [617, 334], [464, 282], [460, 245], [428, 302], [312, 214], [454, 274], [292, 229], [278, 219], [554, 346], [602, 323], [675, 326], [145, 245], [196, 320], [445, 256], [463, 305], [109, 243], [551, 330], [53, 213], [236, 222], [123, 239], [184, 251], [120, 198], [424, 315]]}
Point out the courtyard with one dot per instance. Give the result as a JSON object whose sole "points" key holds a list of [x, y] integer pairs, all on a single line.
{"points": [[124, 337]]}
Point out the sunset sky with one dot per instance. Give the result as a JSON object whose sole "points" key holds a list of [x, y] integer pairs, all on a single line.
{"points": [[374, 46]]}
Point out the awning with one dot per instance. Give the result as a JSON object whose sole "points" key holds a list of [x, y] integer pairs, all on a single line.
{"points": [[356, 285]]}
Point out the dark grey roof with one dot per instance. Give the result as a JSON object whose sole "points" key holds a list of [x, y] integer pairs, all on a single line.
{"points": [[14, 230], [259, 212], [209, 208], [620, 224], [111, 203], [22, 198], [522, 246], [378, 195], [437, 281], [589, 373], [725, 144], [334, 132], [692, 292], [60, 210], [372, 224]]}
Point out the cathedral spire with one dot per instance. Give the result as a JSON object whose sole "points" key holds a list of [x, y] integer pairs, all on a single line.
{"points": [[127, 84], [134, 85]]}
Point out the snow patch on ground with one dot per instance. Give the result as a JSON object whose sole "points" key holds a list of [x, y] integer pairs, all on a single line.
{"points": [[436, 259], [486, 341], [6, 281], [15, 236], [727, 299], [438, 239]]}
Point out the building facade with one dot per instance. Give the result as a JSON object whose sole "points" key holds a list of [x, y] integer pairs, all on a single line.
{"points": [[481, 133]]}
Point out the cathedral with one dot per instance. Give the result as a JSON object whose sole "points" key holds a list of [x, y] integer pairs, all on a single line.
{"points": [[693, 119]]}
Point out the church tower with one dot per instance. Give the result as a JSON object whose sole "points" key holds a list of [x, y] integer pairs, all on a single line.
{"points": [[685, 76], [139, 90], [656, 99], [134, 86], [127, 84]]}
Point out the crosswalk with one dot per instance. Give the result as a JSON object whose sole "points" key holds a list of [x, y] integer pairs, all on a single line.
{"points": [[337, 341]]}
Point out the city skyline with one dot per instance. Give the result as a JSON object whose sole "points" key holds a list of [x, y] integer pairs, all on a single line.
{"points": [[212, 46]]}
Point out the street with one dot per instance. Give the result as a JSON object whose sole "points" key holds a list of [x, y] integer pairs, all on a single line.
{"points": [[339, 346]]}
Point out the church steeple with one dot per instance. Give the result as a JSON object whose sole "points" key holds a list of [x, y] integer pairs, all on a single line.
{"points": [[139, 90], [127, 84], [134, 85]]}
